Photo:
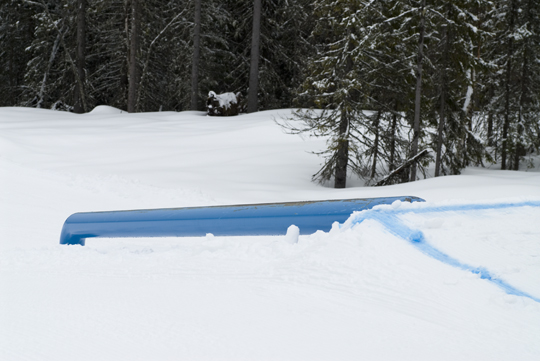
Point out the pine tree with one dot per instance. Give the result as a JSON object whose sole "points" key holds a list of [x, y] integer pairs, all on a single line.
{"points": [[445, 114], [16, 33], [528, 119], [333, 86], [107, 38], [418, 87], [512, 89], [196, 56], [134, 52], [51, 73], [282, 53], [388, 47], [456, 58], [252, 105], [159, 61], [388, 53], [80, 95]]}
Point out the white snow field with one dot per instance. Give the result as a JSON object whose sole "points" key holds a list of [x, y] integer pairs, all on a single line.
{"points": [[362, 291]]}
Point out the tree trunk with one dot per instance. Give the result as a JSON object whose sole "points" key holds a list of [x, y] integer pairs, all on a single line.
{"points": [[342, 156], [149, 50], [442, 107], [133, 56], [69, 58], [438, 157], [506, 124], [490, 129], [392, 165], [490, 121], [79, 106], [196, 55], [254, 66], [375, 145], [519, 147], [519, 151], [416, 129], [41, 94]]}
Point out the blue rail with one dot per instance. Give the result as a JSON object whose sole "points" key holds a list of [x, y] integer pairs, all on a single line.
{"points": [[239, 220]]}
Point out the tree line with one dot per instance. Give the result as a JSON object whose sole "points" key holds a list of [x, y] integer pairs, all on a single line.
{"points": [[394, 85]]}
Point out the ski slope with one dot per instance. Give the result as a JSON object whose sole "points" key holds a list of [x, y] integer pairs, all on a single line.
{"points": [[415, 288]]}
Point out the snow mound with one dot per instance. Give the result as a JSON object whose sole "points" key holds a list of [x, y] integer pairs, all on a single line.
{"points": [[105, 109]]}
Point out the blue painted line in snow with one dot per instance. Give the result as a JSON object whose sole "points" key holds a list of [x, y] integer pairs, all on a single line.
{"points": [[471, 207], [414, 236]]}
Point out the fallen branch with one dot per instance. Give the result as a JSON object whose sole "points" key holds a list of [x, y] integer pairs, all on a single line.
{"points": [[402, 168]]}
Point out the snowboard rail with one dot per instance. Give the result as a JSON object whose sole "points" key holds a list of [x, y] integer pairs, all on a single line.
{"points": [[235, 220]]}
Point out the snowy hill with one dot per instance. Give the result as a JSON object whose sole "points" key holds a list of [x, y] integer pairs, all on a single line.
{"points": [[359, 292]]}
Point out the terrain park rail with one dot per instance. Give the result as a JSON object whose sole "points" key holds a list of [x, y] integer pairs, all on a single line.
{"points": [[240, 220]]}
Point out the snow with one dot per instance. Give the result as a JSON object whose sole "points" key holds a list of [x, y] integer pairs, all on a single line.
{"points": [[293, 232], [105, 109], [468, 97], [225, 99], [469, 94], [361, 291]]}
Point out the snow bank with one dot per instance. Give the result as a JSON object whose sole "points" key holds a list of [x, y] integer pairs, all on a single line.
{"points": [[106, 109]]}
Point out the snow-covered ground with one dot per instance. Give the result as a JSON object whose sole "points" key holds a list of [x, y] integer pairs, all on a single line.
{"points": [[360, 292]]}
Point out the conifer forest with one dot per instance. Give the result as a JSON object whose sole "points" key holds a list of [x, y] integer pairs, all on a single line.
{"points": [[396, 86]]}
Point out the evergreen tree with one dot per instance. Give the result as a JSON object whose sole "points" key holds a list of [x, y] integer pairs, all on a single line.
{"points": [[254, 58], [418, 87], [215, 55], [333, 86], [107, 38], [512, 89], [16, 33], [283, 48], [196, 56], [80, 95], [451, 62], [134, 51], [167, 50], [388, 46], [51, 73], [159, 60], [456, 60]]}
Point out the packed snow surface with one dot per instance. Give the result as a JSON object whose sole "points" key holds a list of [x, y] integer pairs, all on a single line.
{"points": [[416, 288]]}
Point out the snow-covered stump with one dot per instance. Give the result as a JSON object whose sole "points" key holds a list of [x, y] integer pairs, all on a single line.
{"points": [[226, 104]]}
